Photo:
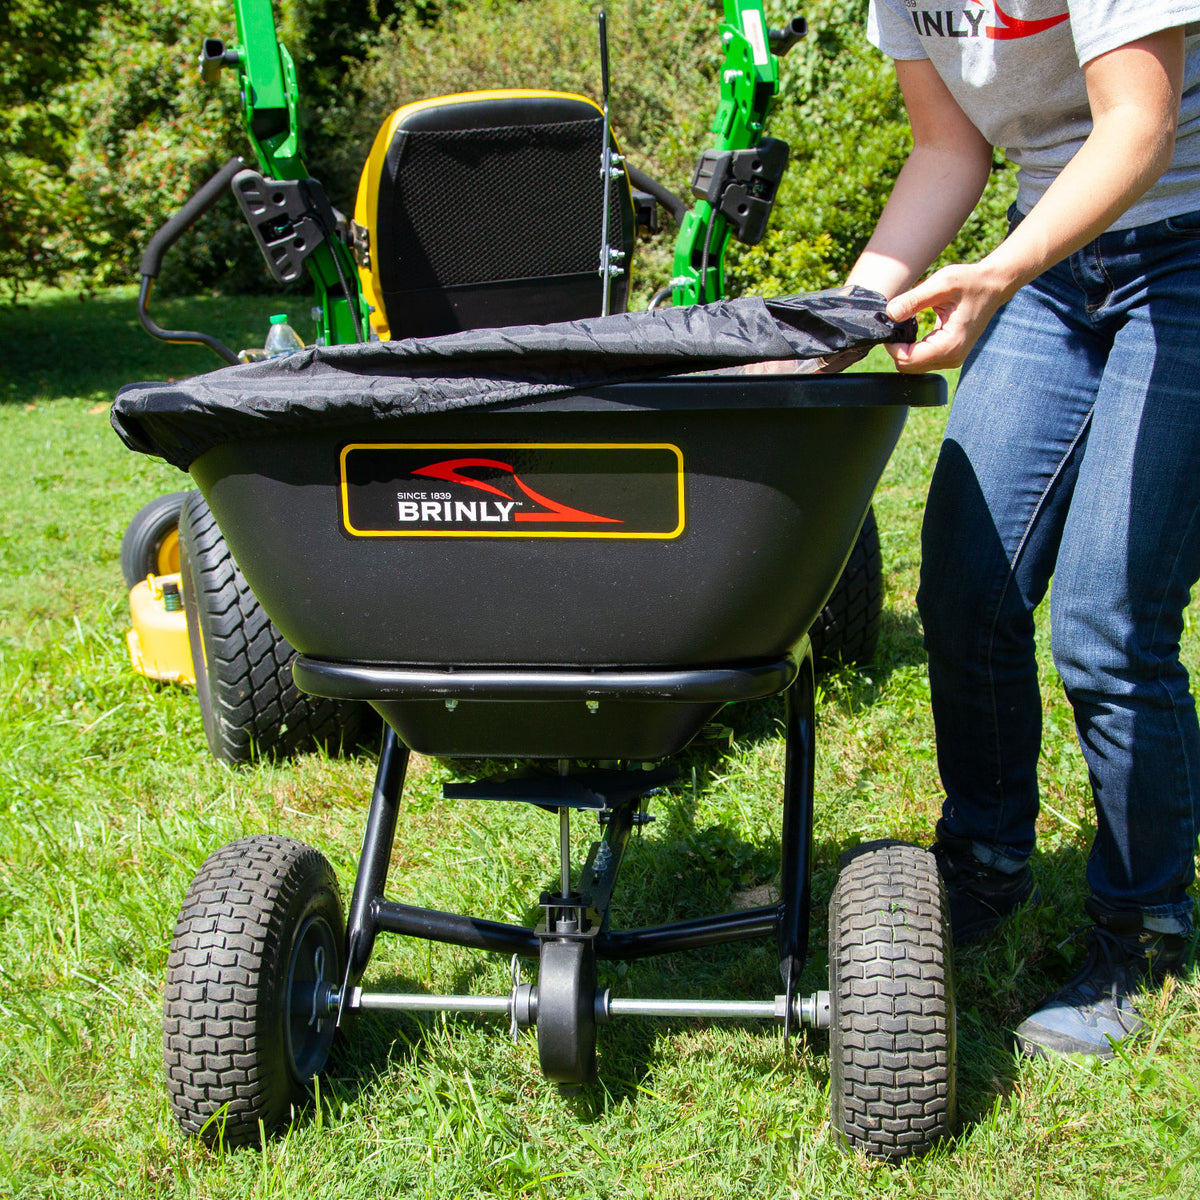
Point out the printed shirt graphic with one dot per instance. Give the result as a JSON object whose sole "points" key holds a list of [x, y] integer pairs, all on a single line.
{"points": [[1014, 67], [974, 20]]}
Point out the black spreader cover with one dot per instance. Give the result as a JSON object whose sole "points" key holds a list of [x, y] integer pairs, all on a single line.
{"points": [[330, 386]]}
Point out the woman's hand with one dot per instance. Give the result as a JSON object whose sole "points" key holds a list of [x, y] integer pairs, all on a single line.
{"points": [[963, 298], [1133, 93]]}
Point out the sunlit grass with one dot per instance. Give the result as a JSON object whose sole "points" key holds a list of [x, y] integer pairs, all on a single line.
{"points": [[109, 802]]}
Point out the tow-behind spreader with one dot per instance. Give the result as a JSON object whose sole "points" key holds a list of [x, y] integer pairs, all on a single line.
{"points": [[519, 531]]}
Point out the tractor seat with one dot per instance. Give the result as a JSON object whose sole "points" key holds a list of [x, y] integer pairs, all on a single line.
{"points": [[486, 209]]}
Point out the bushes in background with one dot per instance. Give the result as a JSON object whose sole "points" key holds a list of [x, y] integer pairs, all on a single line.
{"points": [[101, 146], [136, 131], [43, 43]]}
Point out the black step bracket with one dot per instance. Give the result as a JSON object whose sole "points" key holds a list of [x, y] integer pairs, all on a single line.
{"points": [[566, 917], [597, 791], [645, 211], [289, 218], [741, 185]]}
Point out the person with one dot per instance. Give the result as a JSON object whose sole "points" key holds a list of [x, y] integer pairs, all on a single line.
{"points": [[1072, 449]]}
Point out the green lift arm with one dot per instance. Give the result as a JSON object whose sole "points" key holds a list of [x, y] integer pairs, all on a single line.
{"points": [[294, 225], [735, 181]]}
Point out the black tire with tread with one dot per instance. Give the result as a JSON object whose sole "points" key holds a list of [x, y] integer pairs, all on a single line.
{"points": [[846, 631], [226, 1047], [250, 704], [891, 991], [153, 525]]}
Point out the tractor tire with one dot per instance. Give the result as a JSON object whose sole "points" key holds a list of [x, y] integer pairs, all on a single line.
{"points": [[150, 545], [250, 705], [846, 632], [260, 935], [892, 1028]]}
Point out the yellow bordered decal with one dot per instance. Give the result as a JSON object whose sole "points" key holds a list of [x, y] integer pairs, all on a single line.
{"points": [[624, 490]]}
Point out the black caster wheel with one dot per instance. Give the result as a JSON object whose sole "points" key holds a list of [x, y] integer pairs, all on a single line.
{"points": [[151, 542], [250, 705], [258, 947], [892, 1033], [566, 1012]]}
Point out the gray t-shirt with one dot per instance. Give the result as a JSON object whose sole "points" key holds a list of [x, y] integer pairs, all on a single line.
{"points": [[1014, 67]]}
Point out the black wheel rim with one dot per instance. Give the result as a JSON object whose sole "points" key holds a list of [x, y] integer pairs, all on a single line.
{"points": [[311, 971]]}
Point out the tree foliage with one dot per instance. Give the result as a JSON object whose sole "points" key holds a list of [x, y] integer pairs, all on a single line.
{"points": [[106, 128], [45, 43]]}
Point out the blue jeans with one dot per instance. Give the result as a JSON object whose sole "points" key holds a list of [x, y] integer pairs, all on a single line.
{"points": [[1073, 450]]}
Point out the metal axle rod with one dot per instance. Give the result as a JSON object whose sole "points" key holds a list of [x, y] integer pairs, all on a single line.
{"points": [[811, 1010], [420, 1002]]}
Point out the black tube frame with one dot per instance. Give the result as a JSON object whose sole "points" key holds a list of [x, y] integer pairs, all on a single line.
{"points": [[167, 235], [370, 913]]}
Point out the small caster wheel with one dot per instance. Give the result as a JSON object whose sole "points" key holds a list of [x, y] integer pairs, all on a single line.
{"points": [[566, 1012]]}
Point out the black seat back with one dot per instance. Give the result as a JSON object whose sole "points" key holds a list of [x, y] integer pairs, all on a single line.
{"points": [[486, 209]]}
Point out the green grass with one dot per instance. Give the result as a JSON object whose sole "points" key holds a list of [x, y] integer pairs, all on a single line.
{"points": [[109, 802]]}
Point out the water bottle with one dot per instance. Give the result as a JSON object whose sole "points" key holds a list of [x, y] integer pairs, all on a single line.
{"points": [[281, 338]]}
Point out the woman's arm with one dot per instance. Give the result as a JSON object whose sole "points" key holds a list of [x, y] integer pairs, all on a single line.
{"points": [[938, 186], [1134, 96]]}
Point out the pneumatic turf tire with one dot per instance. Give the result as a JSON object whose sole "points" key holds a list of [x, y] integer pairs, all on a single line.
{"points": [[892, 1033], [846, 631], [150, 545], [260, 932], [250, 705]]}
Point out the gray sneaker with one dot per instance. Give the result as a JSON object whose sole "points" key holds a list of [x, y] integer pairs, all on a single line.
{"points": [[1096, 1008]]}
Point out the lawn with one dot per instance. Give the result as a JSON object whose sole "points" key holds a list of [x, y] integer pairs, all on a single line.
{"points": [[109, 802]]}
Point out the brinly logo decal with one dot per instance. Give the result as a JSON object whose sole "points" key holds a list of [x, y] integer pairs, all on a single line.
{"points": [[944, 23], [449, 472], [538, 489]]}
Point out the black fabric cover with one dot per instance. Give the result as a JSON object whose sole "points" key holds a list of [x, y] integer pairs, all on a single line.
{"points": [[336, 385]]}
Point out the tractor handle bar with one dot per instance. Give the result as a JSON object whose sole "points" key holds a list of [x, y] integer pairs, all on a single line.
{"points": [[782, 40], [677, 206], [170, 232], [176, 225]]}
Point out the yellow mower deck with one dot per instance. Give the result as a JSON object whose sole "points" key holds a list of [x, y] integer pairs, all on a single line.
{"points": [[158, 641]]}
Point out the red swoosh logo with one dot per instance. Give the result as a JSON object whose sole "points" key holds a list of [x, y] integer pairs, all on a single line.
{"points": [[449, 472], [1014, 27], [449, 469]]}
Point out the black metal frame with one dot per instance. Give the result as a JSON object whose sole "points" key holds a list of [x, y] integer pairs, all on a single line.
{"points": [[370, 913]]}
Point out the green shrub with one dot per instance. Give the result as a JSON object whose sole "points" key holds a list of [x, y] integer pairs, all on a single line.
{"points": [[43, 43], [549, 44], [137, 131], [840, 111], [149, 132], [100, 150]]}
